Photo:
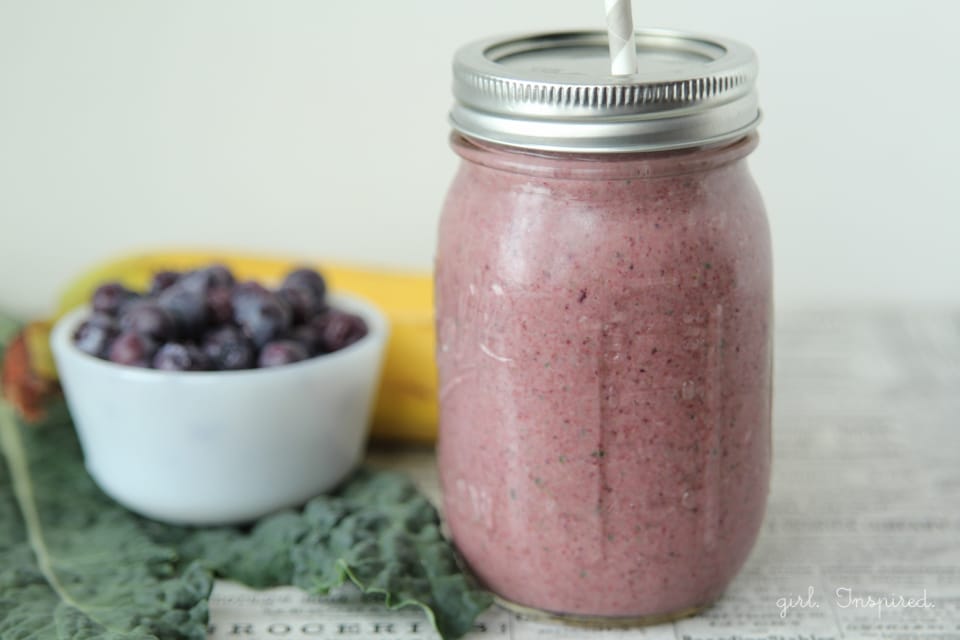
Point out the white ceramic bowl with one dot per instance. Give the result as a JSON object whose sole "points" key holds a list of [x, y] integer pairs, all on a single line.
{"points": [[222, 447]]}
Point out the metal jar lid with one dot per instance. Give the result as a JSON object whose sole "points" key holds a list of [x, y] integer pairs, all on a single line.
{"points": [[554, 92]]}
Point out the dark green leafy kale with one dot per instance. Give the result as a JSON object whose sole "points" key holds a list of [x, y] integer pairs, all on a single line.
{"points": [[377, 532], [74, 565]]}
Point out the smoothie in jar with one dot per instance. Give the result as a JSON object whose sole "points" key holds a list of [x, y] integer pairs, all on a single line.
{"points": [[603, 320]]}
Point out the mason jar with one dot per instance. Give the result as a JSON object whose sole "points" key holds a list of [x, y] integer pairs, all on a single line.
{"points": [[603, 287]]}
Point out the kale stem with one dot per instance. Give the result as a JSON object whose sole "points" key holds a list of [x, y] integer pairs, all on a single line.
{"points": [[13, 450]]}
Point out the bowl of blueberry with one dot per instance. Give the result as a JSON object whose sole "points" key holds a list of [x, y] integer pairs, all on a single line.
{"points": [[207, 400]]}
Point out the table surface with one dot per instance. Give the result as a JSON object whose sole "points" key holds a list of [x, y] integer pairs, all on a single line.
{"points": [[862, 533]]}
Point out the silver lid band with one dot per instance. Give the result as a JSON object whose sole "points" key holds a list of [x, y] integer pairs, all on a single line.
{"points": [[554, 92]]}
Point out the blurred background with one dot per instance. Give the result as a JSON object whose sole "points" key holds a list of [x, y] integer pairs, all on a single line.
{"points": [[319, 129]]}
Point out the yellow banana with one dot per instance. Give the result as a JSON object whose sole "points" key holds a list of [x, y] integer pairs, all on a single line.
{"points": [[407, 403]]}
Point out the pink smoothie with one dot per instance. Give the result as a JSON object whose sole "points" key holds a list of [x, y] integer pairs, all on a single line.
{"points": [[604, 350]]}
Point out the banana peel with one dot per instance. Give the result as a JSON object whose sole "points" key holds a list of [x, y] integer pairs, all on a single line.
{"points": [[406, 408], [27, 378]]}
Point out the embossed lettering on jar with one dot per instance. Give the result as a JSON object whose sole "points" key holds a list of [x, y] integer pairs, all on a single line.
{"points": [[603, 322]]}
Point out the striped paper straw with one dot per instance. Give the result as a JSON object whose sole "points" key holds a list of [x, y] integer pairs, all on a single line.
{"points": [[623, 47]]}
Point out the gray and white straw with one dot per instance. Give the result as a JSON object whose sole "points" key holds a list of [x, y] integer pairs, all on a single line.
{"points": [[623, 47]]}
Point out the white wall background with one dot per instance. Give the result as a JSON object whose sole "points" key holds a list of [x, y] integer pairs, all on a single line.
{"points": [[319, 128]]}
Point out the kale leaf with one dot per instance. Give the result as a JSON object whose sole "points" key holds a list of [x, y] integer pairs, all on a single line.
{"points": [[377, 531], [75, 565]]}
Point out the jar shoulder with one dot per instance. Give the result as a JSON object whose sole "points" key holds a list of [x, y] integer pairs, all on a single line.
{"points": [[542, 233]]}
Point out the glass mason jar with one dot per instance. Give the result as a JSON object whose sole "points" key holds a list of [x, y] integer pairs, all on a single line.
{"points": [[603, 285]]}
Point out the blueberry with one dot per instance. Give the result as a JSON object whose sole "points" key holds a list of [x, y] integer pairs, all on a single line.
{"points": [[247, 294], [281, 352], [309, 335], [219, 301], [263, 319], [304, 303], [132, 349], [178, 356], [188, 308], [95, 335], [149, 318], [202, 280], [102, 320], [161, 281], [339, 329], [111, 297], [220, 276], [228, 349], [308, 280]]}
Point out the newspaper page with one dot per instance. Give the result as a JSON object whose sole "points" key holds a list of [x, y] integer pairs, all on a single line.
{"points": [[862, 533]]}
